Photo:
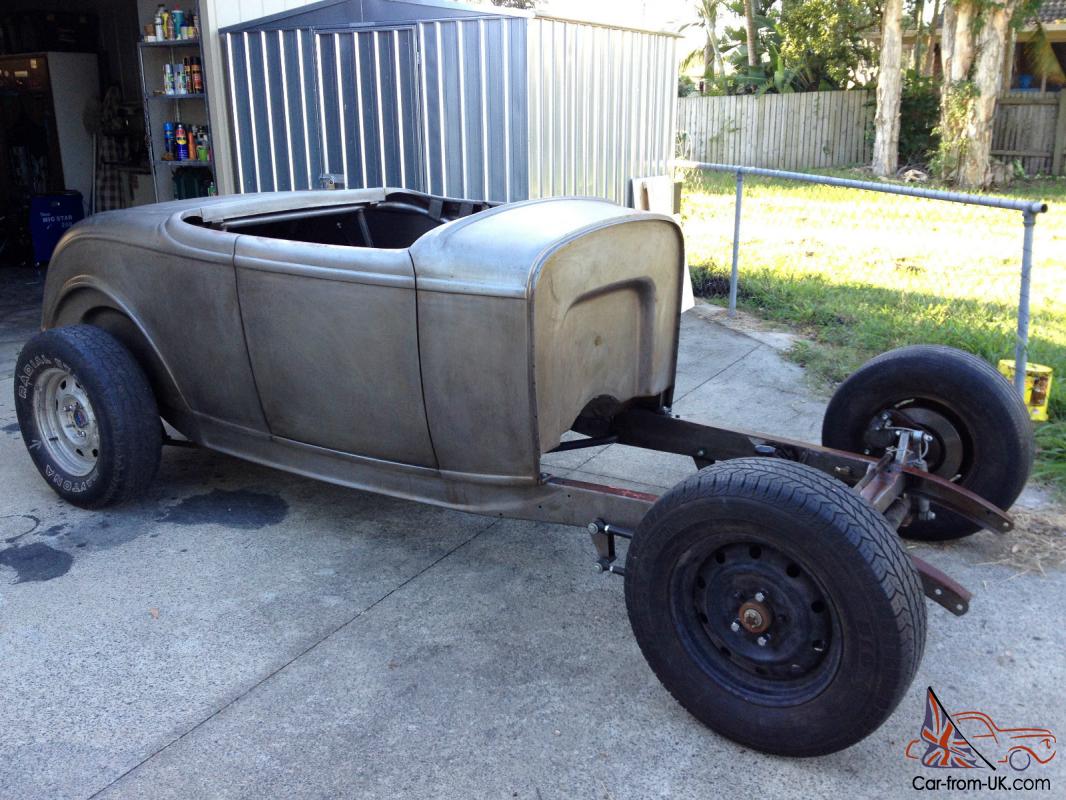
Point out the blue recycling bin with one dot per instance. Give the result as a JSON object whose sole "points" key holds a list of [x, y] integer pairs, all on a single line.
{"points": [[51, 215]]}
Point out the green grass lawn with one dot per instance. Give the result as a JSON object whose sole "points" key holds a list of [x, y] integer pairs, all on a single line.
{"points": [[862, 272]]}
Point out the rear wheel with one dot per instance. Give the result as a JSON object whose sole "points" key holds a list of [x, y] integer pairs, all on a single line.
{"points": [[982, 437], [776, 606], [87, 415]]}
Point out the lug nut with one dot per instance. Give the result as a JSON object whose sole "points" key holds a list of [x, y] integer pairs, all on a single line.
{"points": [[735, 627], [762, 640], [759, 597]]}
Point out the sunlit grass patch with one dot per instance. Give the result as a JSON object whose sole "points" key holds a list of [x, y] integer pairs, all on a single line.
{"points": [[862, 272]]}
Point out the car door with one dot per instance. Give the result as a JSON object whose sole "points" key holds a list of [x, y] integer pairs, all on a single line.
{"points": [[333, 341]]}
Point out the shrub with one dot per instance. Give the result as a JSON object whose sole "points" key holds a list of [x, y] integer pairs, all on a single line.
{"points": [[919, 115]]}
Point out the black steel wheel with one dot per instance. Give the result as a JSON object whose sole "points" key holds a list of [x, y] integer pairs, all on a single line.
{"points": [[981, 434], [776, 606]]}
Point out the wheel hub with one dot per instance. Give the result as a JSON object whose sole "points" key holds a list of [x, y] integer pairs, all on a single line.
{"points": [[946, 451], [761, 623], [66, 422], [754, 617]]}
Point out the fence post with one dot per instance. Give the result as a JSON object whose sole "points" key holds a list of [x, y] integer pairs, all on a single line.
{"points": [[1021, 347], [734, 275], [1058, 148]]}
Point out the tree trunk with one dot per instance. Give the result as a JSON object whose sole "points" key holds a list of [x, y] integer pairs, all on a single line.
{"points": [[975, 166], [919, 24], [926, 67], [719, 64], [712, 54], [947, 40], [962, 49], [749, 21], [889, 84]]}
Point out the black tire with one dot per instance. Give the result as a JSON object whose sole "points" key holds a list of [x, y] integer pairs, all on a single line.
{"points": [[122, 413], [961, 400], [735, 526]]}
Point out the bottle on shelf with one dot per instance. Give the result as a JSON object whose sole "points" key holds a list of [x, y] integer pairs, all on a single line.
{"points": [[203, 143], [181, 143], [168, 141], [158, 23]]}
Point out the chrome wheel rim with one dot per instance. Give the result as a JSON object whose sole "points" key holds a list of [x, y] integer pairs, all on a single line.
{"points": [[66, 422]]}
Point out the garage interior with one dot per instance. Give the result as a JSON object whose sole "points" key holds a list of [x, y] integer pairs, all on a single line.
{"points": [[82, 114]]}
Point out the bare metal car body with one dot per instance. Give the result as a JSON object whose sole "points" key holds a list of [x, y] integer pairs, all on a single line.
{"points": [[438, 367]]}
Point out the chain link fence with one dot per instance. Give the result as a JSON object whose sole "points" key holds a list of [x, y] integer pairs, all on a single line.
{"points": [[869, 266]]}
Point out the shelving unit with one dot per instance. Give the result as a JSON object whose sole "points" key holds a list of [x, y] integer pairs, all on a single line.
{"points": [[190, 109]]}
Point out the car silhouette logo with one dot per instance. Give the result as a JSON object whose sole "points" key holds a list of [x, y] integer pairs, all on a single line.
{"points": [[973, 740]]}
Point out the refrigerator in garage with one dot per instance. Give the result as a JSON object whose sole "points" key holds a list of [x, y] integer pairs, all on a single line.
{"points": [[45, 146]]}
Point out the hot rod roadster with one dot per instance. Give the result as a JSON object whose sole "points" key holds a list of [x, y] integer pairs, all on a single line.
{"points": [[435, 349]]}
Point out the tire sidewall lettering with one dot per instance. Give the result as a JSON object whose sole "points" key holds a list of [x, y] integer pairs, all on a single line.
{"points": [[67, 483]]}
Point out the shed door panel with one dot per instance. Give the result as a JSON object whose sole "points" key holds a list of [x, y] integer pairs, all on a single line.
{"points": [[273, 110], [368, 107]]}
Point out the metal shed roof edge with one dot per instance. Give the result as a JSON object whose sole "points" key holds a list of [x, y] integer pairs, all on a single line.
{"points": [[459, 9]]}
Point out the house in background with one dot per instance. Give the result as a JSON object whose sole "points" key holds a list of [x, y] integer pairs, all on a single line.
{"points": [[1024, 73], [1021, 69]]}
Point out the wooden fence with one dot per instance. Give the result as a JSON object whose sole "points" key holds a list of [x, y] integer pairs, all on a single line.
{"points": [[778, 131], [1031, 127], [831, 129]]}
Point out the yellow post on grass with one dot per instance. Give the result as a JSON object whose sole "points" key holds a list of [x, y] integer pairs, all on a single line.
{"points": [[1037, 386]]}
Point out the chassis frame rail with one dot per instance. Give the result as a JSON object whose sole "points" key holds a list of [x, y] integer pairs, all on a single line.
{"points": [[892, 486], [665, 432]]}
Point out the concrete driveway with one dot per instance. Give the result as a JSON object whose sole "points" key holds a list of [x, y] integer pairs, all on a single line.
{"points": [[246, 633]]}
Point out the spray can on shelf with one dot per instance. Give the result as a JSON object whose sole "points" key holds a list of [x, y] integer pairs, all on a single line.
{"points": [[181, 143], [168, 78], [197, 75], [178, 17], [203, 152], [168, 141], [158, 23]]}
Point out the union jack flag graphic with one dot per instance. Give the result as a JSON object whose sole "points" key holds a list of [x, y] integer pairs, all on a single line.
{"points": [[946, 747]]}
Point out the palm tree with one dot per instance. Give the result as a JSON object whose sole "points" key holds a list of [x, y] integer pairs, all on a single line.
{"points": [[711, 53], [749, 23]]}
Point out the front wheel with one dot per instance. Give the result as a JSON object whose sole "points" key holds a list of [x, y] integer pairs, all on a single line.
{"points": [[982, 438], [87, 415], [776, 606]]}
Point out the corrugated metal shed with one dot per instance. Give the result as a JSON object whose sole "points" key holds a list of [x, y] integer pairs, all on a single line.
{"points": [[454, 99]]}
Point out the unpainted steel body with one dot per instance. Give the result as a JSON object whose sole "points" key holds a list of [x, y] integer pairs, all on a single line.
{"points": [[439, 372]]}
